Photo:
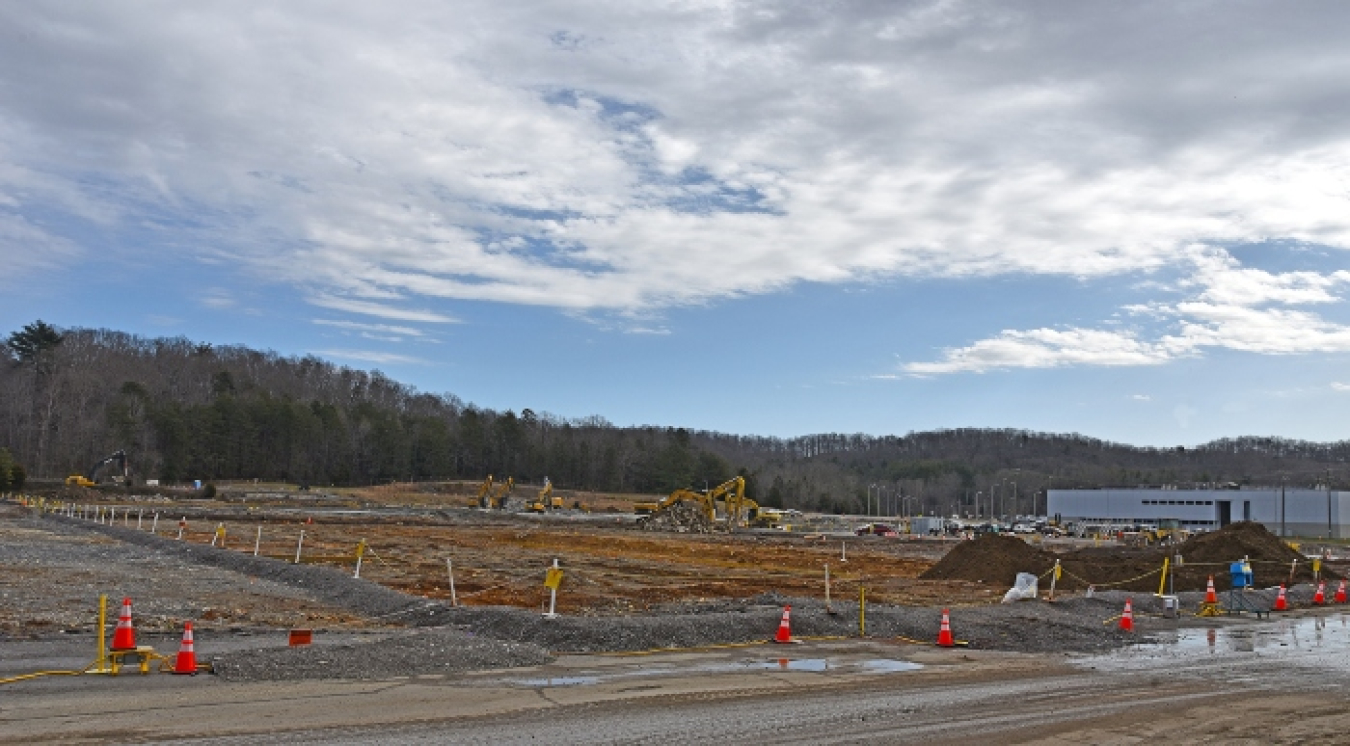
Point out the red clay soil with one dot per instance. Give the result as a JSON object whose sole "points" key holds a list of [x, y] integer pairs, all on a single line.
{"points": [[997, 560]]}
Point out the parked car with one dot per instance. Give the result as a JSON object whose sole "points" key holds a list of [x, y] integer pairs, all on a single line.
{"points": [[876, 529]]}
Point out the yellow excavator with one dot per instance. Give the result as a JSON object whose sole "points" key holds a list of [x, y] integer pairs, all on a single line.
{"points": [[495, 496], [546, 500], [121, 477], [738, 511]]}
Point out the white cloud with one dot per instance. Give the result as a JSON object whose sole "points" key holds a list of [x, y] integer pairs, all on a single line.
{"points": [[381, 310], [1045, 348], [217, 298], [369, 356], [406, 331], [574, 156], [1141, 397], [1230, 307], [1339, 386]]}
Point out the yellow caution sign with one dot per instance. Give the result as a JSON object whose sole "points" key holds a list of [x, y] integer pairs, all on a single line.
{"points": [[553, 579], [1317, 564], [1058, 570]]}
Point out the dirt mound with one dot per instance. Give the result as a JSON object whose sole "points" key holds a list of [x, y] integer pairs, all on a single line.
{"points": [[990, 559], [998, 559], [1238, 540], [1271, 558]]}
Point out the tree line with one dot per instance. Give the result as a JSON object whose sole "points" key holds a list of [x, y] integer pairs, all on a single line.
{"points": [[184, 410]]}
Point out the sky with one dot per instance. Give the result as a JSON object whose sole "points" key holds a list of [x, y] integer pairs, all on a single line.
{"points": [[1126, 220]]}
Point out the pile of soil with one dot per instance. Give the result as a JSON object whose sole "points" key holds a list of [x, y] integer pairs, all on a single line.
{"points": [[998, 559], [992, 558]]}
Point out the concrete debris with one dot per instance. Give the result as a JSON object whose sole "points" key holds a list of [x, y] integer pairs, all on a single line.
{"points": [[682, 517]]}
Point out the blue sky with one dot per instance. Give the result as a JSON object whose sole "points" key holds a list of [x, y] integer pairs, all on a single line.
{"points": [[760, 218]]}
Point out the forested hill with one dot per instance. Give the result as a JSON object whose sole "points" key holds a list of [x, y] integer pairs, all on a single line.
{"points": [[183, 410]]}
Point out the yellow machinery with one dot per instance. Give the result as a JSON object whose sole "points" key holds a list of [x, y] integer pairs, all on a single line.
{"points": [[122, 477], [493, 496], [484, 491], [739, 510], [546, 500]]}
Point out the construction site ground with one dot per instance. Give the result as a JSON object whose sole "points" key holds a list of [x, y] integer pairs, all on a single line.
{"points": [[624, 590]]}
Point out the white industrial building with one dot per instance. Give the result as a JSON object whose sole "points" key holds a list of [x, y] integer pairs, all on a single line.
{"points": [[1284, 512]]}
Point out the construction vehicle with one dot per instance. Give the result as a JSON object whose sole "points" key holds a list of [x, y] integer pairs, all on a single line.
{"points": [[495, 496], [546, 500], [738, 510], [121, 476]]}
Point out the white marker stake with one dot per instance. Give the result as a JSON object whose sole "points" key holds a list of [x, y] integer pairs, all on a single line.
{"points": [[360, 552], [843, 551], [299, 544], [126, 517], [154, 525], [257, 540], [182, 524], [139, 515], [220, 530], [450, 570]]}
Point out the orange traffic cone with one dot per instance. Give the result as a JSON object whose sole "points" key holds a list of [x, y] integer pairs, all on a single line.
{"points": [[1210, 596], [784, 627], [124, 637], [945, 632], [1320, 597], [186, 661], [1127, 617], [1340, 594], [1280, 603]]}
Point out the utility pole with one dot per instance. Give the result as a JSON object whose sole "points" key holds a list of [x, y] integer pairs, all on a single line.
{"points": [[1282, 528]]}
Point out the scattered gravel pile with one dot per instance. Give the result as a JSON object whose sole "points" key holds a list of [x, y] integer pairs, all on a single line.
{"points": [[323, 583], [682, 517], [416, 653]]}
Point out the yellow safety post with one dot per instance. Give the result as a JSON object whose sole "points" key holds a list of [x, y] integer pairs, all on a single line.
{"points": [[360, 552], [1162, 581], [552, 580], [101, 665], [862, 611]]}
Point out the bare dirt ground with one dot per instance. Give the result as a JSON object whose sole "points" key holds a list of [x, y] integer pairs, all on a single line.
{"points": [[51, 570], [500, 559]]}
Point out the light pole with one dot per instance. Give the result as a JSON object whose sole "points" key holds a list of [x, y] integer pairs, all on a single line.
{"points": [[978, 494], [993, 492], [867, 508]]}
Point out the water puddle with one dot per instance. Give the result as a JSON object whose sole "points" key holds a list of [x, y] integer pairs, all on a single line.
{"points": [[815, 665], [1314, 642]]}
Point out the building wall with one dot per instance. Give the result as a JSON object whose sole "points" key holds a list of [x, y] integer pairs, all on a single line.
{"points": [[1291, 513]]}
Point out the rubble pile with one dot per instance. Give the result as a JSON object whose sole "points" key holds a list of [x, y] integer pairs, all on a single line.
{"points": [[682, 517]]}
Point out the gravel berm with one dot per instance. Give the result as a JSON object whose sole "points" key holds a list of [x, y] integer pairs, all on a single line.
{"points": [[446, 639]]}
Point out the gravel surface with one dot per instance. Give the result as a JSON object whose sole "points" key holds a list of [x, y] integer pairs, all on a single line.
{"points": [[442, 639], [415, 653]]}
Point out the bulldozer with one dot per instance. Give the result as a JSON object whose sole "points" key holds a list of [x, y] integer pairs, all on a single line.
{"points": [[738, 511]]}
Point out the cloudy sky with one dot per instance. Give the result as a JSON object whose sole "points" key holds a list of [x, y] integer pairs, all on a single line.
{"points": [[1128, 220]]}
